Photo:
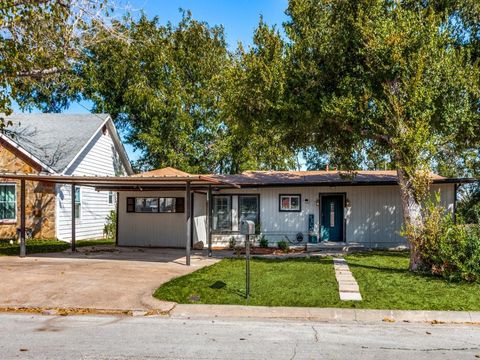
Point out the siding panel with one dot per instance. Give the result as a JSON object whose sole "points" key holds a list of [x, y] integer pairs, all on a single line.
{"points": [[99, 158]]}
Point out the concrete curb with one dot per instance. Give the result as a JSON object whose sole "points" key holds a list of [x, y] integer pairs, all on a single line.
{"points": [[200, 311], [323, 314]]}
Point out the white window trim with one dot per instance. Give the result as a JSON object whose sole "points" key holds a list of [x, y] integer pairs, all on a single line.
{"points": [[78, 214], [111, 195], [290, 196], [12, 221]]}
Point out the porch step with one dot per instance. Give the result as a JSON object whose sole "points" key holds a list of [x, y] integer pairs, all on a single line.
{"points": [[334, 246]]}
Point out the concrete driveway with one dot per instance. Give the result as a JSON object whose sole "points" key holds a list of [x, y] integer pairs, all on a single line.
{"points": [[101, 277]]}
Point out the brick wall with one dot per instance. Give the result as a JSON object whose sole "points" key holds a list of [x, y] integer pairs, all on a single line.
{"points": [[40, 197]]}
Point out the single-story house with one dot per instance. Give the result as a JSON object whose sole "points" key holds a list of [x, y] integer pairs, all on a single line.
{"points": [[59, 144], [295, 206]]}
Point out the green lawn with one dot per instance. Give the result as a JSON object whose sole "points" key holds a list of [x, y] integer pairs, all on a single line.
{"points": [[292, 282], [385, 283], [45, 246]]}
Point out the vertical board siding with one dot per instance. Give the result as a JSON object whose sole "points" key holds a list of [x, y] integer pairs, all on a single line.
{"points": [[151, 229], [374, 218], [98, 158]]}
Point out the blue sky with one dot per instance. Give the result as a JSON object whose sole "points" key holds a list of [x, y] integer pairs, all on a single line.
{"points": [[239, 18]]}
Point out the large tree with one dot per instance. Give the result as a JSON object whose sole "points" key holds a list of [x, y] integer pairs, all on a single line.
{"points": [[42, 43], [178, 92], [384, 78], [253, 91]]}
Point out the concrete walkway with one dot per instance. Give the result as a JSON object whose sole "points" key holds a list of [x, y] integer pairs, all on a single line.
{"points": [[347, 285]]}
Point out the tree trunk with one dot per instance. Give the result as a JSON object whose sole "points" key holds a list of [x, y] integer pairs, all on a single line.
{"points": [[412, 216]]}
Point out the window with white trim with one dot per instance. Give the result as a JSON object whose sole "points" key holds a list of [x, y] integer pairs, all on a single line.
{"points": [[222, 212], [290, 202], [78, 202], [111, 197], [8, 202]]}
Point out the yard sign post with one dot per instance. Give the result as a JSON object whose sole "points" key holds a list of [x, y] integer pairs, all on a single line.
{"points": [[247, 228]]}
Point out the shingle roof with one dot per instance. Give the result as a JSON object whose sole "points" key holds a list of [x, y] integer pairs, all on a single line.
{"points": [[164, 172], [360, 177], [54, 139], [299, 178]]}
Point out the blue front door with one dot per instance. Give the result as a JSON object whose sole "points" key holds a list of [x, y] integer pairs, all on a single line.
{"points": [[331, 211]]}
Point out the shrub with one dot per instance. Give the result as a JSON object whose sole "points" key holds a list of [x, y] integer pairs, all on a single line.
{"points": [[447, 249], [263, 242], [232, 243], [110, 228], [283, 245]]}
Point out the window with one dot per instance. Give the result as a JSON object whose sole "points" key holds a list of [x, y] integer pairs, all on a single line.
{"points": [[222, 212], [146, 205], [290, 202], [248, 208], [155, 205], [8, 202], [167, 205], [111, 197], [78, 202]]}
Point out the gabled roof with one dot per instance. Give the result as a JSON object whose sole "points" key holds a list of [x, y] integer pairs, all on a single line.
{"points": [[329, 178], [164, 172], [54, 140]]}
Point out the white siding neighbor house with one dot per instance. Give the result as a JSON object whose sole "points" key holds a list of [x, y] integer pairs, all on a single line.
{"points": [[301, 207], [69, 145]]}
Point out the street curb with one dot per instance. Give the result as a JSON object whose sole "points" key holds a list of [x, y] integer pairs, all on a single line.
{"points": [[81, 311], [324, 314]]}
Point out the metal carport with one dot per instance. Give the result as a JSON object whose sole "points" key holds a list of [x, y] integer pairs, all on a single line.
{"points": [[187, 183]]}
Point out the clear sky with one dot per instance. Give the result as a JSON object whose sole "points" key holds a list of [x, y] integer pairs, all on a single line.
{"points": [[238, 17]]}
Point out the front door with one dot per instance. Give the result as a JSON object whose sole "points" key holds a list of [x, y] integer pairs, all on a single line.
{"points": [[331, 210]]}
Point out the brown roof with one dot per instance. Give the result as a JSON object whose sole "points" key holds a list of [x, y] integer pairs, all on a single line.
{"points": [[164, 172], [361, 177]]}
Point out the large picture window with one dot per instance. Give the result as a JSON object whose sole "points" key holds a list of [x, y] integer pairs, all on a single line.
{"points": [[248, 208], [8, 202], [156, 205], [290, 202], [222, 212]]}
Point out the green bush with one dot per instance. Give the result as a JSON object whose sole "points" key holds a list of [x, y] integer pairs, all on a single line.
{"points": [[110, 228], [232, 243], [263, 242], [283, 245], [447, 249]]}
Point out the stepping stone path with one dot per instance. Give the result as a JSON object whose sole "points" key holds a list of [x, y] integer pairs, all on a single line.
{"points": [[347, 285]]}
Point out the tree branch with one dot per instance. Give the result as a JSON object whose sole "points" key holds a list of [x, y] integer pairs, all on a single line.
{"points": [[367, 133], [40, 73]]}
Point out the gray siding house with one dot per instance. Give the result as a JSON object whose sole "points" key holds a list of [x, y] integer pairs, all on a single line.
{"points": [[297, 206]]}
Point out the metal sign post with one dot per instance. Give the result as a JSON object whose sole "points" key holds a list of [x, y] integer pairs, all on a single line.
{"points": [[247, 228], [247, 265]]}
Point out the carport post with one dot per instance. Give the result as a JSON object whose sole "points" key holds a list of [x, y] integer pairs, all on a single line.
{"points": [[189, 220], [23, 247], [73, 218], [209, 220]]}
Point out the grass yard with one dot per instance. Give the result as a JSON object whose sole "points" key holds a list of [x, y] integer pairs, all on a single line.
{"points": [[290, 282], [383, 277], [46, 246], [386, 283]]}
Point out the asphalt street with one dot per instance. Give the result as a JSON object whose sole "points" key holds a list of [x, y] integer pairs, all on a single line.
{"points": [[27, 336]]}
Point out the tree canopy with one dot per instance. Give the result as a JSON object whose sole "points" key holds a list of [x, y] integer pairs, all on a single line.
{"points": [[42, 44], [178, 93]]}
